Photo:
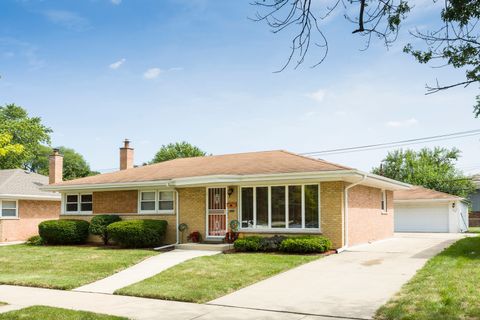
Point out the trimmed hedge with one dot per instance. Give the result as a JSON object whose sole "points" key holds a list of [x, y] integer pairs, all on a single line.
{"points": [[64, 231], [311, 244], [99, 224], [302, 244], [138, 233]]}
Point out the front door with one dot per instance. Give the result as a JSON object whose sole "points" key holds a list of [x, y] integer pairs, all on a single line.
{"points": [[217, 212]]}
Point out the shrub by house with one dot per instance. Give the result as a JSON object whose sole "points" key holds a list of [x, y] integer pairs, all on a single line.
{"points": [[62, 232], [138, 233]]}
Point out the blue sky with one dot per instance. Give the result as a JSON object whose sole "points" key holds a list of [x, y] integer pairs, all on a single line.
{"points": [[99, 71]]}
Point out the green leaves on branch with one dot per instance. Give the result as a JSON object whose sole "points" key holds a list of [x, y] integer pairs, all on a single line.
{"points": [[6, 146], [28, 132]]}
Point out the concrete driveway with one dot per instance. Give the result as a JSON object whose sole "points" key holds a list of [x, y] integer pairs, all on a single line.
{"points": [[352, 284]]}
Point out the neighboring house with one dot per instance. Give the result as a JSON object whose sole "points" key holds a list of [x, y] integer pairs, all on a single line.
{"points": [[425, 210], [474, 216], [23, 205], [271, 192]]}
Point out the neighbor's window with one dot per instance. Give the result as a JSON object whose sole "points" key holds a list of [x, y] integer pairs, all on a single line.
{"points": [[165, 201], [9, 208], [71, 203], [86, 203], [147, 201], [282, 207], [384, 201], [79, 203]]}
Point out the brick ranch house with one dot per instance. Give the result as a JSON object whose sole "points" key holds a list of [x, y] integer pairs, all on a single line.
{"points": [[271, 192], [23, 205]]}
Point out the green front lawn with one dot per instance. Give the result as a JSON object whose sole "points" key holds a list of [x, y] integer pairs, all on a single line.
{"points": [[474, 230], [40, 312], [447, 287], [63, 267], [206, 278]]}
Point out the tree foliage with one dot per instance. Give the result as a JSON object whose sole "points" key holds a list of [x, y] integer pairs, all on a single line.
{"points": [[177, 150], [28, 132], [454, 41], [7, 147], [74, 165], [430, 168]]}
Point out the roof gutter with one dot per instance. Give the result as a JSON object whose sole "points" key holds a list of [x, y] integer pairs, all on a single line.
{"points": [[345, 212]]}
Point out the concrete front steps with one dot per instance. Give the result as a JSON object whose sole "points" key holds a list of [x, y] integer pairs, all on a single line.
{"points": [[205, 246]]}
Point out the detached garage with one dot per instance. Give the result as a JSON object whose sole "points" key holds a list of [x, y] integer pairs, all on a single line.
{"points": [[425, 210]]}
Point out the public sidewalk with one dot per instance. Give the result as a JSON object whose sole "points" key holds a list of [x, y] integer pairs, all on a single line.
{"points": [[135, 308]]}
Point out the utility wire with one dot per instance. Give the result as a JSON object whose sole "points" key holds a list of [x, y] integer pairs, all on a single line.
{"points": [[449, 136]]}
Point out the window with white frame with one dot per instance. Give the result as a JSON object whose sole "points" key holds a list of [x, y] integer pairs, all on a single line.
{"points": [[152, 201], [8, 209], [384, 201], [78, 203], [280, 207], [165, 201], [147, 201]]}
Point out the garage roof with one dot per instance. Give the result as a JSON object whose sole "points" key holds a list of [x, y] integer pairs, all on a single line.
{"points": [[421, 193]]}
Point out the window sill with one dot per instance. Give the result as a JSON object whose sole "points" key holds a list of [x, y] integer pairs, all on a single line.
{"points": [[170, 213], [9, 218], [279, 230], [77, 214]]}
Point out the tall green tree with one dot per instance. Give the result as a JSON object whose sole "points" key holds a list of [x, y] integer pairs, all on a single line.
{"points": [[7, 147], [29, 132], [430, 168], [74, 164], [177, 150], [452, 39]]}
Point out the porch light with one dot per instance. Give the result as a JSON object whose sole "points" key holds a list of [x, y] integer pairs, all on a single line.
{"points": [[230, 191]]}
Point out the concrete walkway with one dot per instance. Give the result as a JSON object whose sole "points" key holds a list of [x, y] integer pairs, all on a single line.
{"points": [[11, 243], [353, 284], [134, 308], [143, 270]]}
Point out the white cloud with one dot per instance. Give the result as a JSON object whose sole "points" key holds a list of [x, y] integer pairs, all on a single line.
{"points": [[116, 2], [67, 19], [117, 64], [318, 95], [402, 123], [152, 73]]}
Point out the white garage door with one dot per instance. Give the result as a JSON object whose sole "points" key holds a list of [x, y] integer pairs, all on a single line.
{"points": [[432, 218]]}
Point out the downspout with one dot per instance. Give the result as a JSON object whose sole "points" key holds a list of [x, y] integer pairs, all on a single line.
{"points": [[345, 213], [177, 220]]}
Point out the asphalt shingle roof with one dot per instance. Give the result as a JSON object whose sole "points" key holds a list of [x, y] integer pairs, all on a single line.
{"points": [[20, 182], [265, 162]]}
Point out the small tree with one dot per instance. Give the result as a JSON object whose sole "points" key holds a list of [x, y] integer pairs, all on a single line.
{"points": [[177, 150], [99, 224], [430, 168]]}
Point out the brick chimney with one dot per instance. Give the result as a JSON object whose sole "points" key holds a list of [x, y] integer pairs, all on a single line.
{"points": [[126, 156], [55, 169]]}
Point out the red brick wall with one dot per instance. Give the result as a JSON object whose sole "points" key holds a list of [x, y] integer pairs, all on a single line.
{"points": [[365, 219], [30, 214], [115, 202]]}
